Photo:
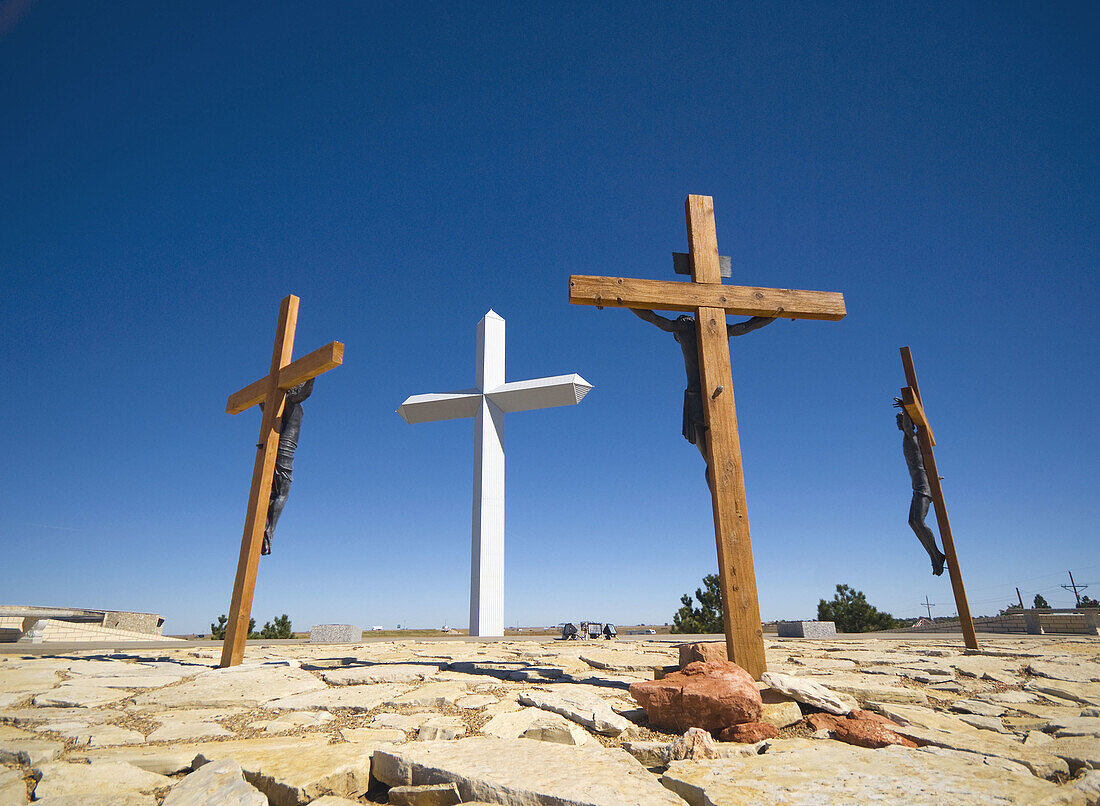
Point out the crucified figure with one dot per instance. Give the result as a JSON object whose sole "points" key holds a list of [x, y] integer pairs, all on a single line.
{"points": [[684, 331], [288, 426], [922, 493]]}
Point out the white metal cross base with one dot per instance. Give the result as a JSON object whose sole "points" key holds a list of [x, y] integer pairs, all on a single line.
{"points": [[487, 404]]}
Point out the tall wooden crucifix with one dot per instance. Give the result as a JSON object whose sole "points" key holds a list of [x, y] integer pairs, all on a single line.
{"points": [[711, 301], [269, 390], [914, 407]]}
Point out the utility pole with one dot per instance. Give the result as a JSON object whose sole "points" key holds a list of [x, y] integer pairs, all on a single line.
{"points": [[928, 605], [1074, 586], [1021, 598]]}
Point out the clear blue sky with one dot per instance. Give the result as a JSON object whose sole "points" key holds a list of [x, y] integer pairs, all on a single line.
{"points": [[168, 172]]}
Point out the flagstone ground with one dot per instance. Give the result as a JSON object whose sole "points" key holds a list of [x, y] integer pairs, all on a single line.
{"points": [[1018, 722]]}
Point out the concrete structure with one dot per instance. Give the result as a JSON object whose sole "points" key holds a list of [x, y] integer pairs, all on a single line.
{"points": [[806, 629], [335, 634], [45, 624], [487, 404]]}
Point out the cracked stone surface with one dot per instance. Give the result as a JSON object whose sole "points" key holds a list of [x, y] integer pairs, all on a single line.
{"points": [[301, 719]]}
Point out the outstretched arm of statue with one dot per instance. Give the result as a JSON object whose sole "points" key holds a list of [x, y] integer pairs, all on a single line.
{"points": [[296, 394], [749, 325], [654, 319]]}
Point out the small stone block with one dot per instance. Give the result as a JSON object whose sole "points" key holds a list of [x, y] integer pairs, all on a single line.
{"points": [[807, 629], [426, 795], [335, 634]]}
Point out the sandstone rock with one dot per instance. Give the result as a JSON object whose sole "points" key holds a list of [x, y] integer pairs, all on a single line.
{"points": [[585, 709], [1084, 693], [525, 772], [379, 673], [99, 799], [749, 732], [247, 686], [535, 723], [475, 701], [985, 723], [1036, 738], [13, 789], [704, 651], [19, 747], [809, 692], [441, 728], [372, 735], [293, 720], [221, 782], [424, 795], [187, 731], [1075, 726], [781, 714], [710, 695], [299, 772], [695, 744], [354, 698], [58, 779], [868, 733], [985, 743], [1087, 785], [623, 661], [430, 695], [976, 707], [1077, 751], [108, 735], [78, 695], [823, 721], [835, 773], [1074, 671], [650, 754]]}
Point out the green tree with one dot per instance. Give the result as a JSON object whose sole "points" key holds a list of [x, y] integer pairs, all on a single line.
{"points": [[1013, 607], [1088, 601], [280, 629], [853, 613], [217, 631], [1040, 601], [705, 619]]}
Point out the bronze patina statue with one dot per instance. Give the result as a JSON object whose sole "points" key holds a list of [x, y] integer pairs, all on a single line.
{"points": [[683, 330], [922, 493], [288, 426]]}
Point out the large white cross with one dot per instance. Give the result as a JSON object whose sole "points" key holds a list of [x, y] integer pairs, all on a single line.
{"points": [[487, 404]]}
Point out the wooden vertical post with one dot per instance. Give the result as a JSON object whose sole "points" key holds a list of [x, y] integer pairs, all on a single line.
{"points": [[240, 608], [736, 574], [924, 438]]}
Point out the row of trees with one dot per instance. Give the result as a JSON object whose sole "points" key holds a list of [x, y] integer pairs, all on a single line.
{"points": [[280, 629], [849, 609]]}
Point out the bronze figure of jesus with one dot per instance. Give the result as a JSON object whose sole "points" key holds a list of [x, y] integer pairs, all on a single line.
{"points": [[684, 331], [289, 427], [922, 493]]}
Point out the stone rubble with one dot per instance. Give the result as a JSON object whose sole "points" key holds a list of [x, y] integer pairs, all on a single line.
{"points": [[552, 722]]}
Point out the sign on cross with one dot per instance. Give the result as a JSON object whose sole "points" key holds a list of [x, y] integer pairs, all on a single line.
{"points": [[269, 390], [914, 407], [711, 301]]}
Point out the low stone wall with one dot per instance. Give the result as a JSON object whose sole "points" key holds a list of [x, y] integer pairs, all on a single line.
{"points": [[1036, 622]]}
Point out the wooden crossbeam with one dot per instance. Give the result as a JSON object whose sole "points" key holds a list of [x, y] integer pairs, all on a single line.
{"points": [[666, 295], [913, 407], [308, 366]]}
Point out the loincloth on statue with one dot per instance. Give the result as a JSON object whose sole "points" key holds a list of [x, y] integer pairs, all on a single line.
{"points": [[694, 418]]}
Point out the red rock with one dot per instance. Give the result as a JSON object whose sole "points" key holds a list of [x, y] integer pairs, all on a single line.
{"points": [[706, 652], [859, 713], [868, 733], [709, 695], [749, 732], [822, 721]]}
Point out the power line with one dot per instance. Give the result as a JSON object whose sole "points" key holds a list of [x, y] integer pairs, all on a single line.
{"points": [[1075, 586]]}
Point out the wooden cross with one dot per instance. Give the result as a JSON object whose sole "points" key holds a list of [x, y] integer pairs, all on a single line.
{"points": [[711, 301], [914, 407], [269, 390]]}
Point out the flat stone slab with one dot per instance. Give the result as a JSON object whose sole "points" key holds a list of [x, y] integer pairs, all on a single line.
{"points": [[187, 731], [354, 698], [827, 772], [335, 634], [583, 708], [535, 723], [78, 694], [430, 695], [58, 779], [524, 773], [379, 673], [13, 790], [1077, 751], [246, 686], [301, 772], [20, 747], [220, 782], [809, 692]]}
